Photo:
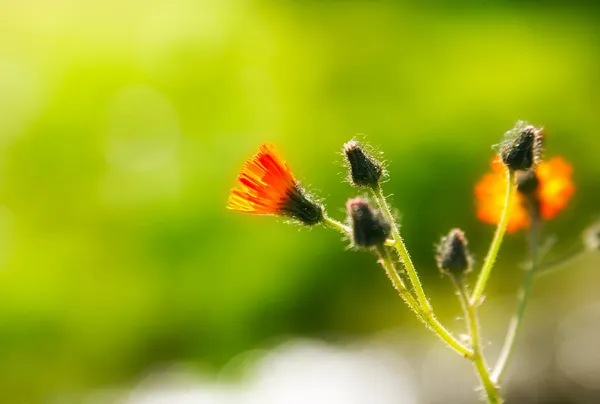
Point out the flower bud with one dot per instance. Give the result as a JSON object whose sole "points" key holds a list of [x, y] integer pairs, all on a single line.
{"points": [[591, 237], [369, 227], [365, 170], [452, 254], [527, 182], [521, 149]]}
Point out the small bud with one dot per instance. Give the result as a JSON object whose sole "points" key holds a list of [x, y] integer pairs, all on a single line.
{"points": [[365, 170], [369, 228], [521, 149], [591, 237], [527, 182], [452, 254]]}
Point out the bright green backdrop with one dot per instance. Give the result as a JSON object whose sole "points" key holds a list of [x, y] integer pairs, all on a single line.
{"points": [[123, 125]]}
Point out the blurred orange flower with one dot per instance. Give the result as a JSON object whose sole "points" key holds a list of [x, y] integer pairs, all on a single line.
{"points": [[267, 186], [553, 192]]}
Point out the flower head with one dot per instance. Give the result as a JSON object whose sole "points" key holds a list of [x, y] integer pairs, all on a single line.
{"points": [[267, 186], [549, 184]]}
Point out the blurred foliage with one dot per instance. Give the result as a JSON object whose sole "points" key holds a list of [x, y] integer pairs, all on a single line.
{"points": [[123, 125]]}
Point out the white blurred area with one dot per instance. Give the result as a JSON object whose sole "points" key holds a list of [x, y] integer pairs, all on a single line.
{"points": [[297, 372], [557, 360]]}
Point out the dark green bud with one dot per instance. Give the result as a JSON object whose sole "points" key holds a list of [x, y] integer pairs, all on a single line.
{"points": [[452, 254], [522, 148], [365, 170], [369, 227]]}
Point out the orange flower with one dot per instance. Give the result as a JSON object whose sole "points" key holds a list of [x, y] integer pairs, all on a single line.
{"points": [[554, 189], [267, 186]]}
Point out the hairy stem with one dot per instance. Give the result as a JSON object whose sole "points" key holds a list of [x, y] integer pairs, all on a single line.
{"points": [[402, 251], [427, 318], [470, 310], [490, 259], [335, 225]]}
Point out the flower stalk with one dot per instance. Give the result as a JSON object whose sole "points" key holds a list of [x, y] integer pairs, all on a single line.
{"points": [[427, 318], [335, 225], [490, 259], [472, 322], [402, 251]]}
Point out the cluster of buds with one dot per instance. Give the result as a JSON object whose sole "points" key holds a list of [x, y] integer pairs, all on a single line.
{"points": [[369, 227], [536, 191]]}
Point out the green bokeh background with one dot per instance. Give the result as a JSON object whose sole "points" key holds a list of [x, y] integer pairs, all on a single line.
{"points": [[123, 125]]}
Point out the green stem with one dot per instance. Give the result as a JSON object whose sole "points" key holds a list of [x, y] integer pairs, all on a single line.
{"points": [[426, 317], [514, 326], [335, 225], [470, 310], [490, 259], [402, 251], [523, 297]]}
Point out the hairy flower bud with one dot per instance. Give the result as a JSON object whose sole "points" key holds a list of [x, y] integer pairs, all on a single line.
{"points": [[365, 170], [452, 254], [521, 148], [591, 237], [369, 228]]}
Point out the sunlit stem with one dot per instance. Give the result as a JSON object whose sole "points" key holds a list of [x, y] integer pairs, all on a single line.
{"points": [[470, 310], [402, 251], [490, 259], [335, 225], [426, 317]]}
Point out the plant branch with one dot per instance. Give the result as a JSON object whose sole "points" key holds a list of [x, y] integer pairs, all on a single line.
{"points": [[490, 259], [335, 225], [427, 318], [402, 251], [470, 310]]}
